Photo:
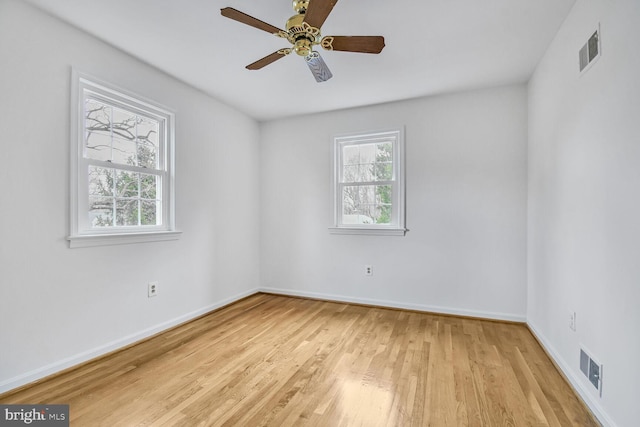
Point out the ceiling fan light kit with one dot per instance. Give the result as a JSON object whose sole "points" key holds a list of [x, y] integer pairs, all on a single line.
{"points": [[318, 68], [303, 33]]}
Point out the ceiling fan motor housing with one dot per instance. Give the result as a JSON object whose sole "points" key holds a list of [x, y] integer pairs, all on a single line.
{"points": [[300, 34], [303, 47]]}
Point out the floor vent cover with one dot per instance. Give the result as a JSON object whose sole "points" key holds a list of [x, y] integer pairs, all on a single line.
{"points": [[592, 370]]}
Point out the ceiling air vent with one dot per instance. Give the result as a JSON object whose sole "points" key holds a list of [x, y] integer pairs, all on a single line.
{"points": [[590, 51]]}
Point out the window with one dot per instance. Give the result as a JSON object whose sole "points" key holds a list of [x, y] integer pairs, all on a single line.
{"points": [[369, 183], [122, 167]]}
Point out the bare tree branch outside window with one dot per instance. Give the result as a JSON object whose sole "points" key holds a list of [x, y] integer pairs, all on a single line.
{"points": [[121, 197]]}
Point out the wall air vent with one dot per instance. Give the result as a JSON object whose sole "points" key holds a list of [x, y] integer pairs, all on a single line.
{"points": [[592, 370], [590, 51]]}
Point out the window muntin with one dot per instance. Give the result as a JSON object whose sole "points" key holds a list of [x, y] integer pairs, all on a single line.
{"points": [[369, 181], [122, 169], [121, 198], [366, 178], [121, 136], [116, 135]]}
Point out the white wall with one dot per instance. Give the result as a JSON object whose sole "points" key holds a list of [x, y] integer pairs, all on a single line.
{"points": [[466, 251], [584, 204], [59, 306], [466, 207]]}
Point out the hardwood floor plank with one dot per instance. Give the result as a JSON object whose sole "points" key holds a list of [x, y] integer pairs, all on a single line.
{"points": [[278, 361]]}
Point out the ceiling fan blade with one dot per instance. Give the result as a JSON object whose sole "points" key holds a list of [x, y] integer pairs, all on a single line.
{"points": [[362, 44], [236, 15], [268, 59], [318, 67], [318, 11]]}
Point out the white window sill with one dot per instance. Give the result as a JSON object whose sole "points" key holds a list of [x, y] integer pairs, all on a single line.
{"points": [[121, 239], [368, 231]]}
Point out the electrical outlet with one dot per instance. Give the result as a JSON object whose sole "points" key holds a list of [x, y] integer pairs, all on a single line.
{"points": [[368, 270], [572, 321], [152, 289]]}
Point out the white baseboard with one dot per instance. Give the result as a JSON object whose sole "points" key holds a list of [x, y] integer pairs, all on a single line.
{"points": [[573, 378], [83, 357], [402, 305]]}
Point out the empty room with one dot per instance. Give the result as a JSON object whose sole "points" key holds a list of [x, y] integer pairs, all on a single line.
{"points": [[312, 212]]}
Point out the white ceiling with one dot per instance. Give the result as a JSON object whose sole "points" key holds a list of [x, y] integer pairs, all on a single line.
{"points": [[432, 47]]}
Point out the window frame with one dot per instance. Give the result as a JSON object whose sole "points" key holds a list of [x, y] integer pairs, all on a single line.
{"points": [[82, 234], [397, 224]]}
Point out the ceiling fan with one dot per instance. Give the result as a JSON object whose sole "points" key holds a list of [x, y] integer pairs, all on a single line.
{"points": [[303, 32]]}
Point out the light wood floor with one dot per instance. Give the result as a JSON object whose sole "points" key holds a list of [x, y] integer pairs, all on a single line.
{"points": [[279, 361]]}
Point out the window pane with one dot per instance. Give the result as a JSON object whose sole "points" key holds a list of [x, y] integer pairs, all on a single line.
{"points": [[114, 134], [366, 204], [384, 162], [101, 211], [124, 124], [384, 203], [359, 200], [98, 146], [126, 212], [148, 186], [383, 171], [351, 155], [147, 133], [147, 156], [149, 214], [367, 162], [351, 173], [385, 214], [124, 152], [127, 184], [147, 130], [97, 130], [100, 181]]}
